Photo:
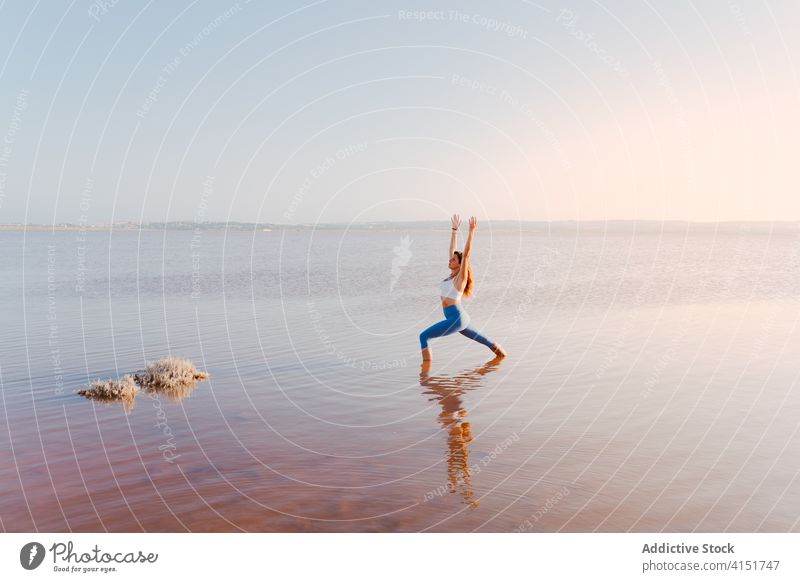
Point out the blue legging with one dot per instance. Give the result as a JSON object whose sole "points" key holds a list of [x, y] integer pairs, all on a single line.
{"points": [[457, 320]]}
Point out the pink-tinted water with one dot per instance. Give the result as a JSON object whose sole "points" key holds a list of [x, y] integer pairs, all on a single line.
{"points": [[650, 386]]}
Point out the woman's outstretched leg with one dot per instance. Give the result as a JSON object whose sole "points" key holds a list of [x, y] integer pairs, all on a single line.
{"points": [[473, 334]]}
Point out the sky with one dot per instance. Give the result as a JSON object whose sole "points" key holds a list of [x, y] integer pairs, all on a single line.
{"points": [[340, 111]]}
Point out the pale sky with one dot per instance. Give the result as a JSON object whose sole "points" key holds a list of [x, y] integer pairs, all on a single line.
{"points": [[339, 111]]}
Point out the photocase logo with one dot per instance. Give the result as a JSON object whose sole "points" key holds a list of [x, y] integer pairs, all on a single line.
{"points": [[402, 254], [31, 555]]}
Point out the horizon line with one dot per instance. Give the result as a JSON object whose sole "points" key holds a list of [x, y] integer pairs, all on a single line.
{"points": [[389, 222]]}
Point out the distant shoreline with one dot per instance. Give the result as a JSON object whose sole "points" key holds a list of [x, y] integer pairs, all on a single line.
{"points": [[652, 226]]}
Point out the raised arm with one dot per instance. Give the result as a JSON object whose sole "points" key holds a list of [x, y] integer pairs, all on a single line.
{"points": [[462, 272], [455, 221], [473, 224]]}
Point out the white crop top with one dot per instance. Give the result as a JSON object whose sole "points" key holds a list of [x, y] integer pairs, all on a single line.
{"points": [[448, 289]]}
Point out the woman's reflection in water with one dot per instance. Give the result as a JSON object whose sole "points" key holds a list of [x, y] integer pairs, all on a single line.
{"points": [[447, 390]]}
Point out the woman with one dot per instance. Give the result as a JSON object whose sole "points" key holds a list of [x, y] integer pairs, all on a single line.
{"points": [[451, 289]]}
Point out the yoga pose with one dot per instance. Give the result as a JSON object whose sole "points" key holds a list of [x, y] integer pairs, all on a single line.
{"points": [[451, 289]]}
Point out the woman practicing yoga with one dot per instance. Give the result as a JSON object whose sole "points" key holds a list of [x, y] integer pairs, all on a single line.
{"points": [[457, 284]]}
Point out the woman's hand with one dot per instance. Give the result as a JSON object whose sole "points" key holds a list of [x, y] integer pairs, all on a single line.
{"points": [[455, 221], [473, 223]]}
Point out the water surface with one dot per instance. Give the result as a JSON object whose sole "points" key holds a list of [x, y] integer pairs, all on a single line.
{"points": [[651, 382]]}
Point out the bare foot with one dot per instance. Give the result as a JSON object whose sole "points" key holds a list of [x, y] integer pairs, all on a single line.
{"points": [[427, 355], [499, 351]]}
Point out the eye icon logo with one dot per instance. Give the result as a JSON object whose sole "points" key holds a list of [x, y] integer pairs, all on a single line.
{"points": [[31, 555]]}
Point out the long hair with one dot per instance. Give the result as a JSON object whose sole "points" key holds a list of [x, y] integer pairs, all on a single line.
{"points": [[468, 288]]}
